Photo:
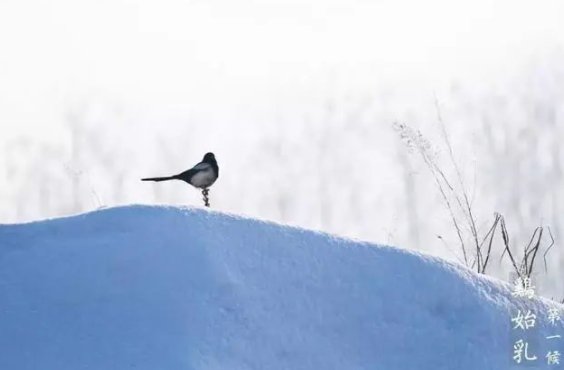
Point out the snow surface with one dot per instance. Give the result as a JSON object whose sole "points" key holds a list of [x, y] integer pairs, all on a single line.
{"points": [[152, 288]]}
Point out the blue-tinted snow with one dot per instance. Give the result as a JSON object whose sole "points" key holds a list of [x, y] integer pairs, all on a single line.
{"points": [[168, 288]]}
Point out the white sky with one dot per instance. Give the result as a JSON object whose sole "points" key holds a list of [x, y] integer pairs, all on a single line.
{"points": [[214, 55]]}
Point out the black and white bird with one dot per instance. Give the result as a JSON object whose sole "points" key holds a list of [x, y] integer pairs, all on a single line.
{"points": [[201, 176]]}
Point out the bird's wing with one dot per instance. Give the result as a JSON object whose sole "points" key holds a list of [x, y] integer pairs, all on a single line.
{"points": [[187, 175], [202, 166]]}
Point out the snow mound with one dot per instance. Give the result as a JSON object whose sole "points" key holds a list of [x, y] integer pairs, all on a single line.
{"points": [[142, 287]]}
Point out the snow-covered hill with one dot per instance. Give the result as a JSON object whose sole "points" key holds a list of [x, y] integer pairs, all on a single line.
{"points": [[167, 288]]}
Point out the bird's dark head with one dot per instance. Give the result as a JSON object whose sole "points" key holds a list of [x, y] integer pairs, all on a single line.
{"points": [[209, 158]]}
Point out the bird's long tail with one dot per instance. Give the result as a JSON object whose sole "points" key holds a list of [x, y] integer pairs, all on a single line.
{"points": [[160, 178]]}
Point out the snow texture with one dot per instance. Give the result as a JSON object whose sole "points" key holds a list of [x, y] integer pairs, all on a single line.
{"points": [[149, 288]]}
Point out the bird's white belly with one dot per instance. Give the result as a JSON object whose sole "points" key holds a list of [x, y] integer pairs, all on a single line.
{"points": [[203, 179]]}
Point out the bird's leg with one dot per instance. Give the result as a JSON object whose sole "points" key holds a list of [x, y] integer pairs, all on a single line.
{"points": [[205, 193]]}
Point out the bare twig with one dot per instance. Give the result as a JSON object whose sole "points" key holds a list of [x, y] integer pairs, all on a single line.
{"points": [[527, 263], [206, 198], [528, 250], [467, 208], [548, 249], [507, 247], [490, 234], [415, 140]]}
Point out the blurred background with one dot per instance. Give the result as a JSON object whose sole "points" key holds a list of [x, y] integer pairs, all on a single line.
{"points": [[298, 100]]}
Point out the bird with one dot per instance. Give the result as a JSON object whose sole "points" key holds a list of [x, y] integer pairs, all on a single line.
{"points": [[201, 176]]}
